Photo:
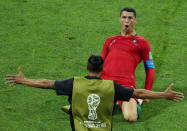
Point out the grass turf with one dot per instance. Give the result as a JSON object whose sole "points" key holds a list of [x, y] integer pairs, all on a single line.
{"points": [[53, 39]]}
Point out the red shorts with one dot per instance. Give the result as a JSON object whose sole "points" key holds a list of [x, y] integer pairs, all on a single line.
{"points": [[128, 86]]}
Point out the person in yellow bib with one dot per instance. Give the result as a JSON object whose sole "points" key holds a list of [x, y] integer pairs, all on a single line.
{"points": [[92, 100]]}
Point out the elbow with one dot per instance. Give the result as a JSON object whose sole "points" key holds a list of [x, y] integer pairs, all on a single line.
{"points": [[45, 84]]}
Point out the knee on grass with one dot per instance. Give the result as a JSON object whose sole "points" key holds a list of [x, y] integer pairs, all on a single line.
{"points": [[131, 117]]}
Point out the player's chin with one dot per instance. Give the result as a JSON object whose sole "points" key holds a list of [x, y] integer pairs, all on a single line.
{"points": [[126, 30]]}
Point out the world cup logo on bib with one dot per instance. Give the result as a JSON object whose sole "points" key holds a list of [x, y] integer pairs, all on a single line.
{"points": [[93, 101]]}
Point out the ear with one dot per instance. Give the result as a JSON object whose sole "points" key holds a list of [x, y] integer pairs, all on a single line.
{"points": [[86, 67]]}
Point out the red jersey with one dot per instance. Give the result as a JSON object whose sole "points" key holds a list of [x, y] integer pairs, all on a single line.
{"points": [[121, 56]]}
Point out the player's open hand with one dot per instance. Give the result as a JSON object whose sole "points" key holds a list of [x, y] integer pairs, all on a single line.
{"points": [[173, 95], [15, 79]]}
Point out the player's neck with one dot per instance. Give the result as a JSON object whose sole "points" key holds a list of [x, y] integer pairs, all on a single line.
{"points": [[125, 33], [94, 74]]}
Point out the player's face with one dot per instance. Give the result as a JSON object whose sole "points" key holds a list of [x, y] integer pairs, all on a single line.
{"points": [[127, 20]]}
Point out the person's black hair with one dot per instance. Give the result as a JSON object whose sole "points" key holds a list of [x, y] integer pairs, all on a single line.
{"points": [[128, 10], [95, 63]]}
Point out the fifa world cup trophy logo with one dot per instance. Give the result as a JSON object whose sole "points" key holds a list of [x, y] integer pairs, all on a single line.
{"points": [[93, 101]]}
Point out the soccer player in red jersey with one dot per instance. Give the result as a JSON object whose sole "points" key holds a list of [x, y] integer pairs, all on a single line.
{"points": [[122, 54]]}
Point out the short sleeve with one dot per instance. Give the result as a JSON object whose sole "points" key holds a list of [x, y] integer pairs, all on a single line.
{"points": [[64, 87], [123, 93]]}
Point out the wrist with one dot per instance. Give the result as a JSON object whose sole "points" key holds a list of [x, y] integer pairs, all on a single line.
{"points": [[165, 95], [23, 81]]}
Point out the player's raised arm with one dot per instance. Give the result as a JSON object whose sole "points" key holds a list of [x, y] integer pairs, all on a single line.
{"points": [[20, 79], [167, 94]]}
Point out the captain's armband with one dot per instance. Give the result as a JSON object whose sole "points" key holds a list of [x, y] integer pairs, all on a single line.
{"points": [[148, 64]]}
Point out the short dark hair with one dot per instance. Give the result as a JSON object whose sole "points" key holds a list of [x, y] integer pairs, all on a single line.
{"points": [[95, 63], [128, 10]]}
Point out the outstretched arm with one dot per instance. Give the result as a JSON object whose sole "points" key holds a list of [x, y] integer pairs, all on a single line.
{"points": [[20, 79], [167, 94]]}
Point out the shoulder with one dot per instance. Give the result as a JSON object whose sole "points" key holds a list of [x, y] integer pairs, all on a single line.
{"points": [[143, 42], [113, 37], [141, 39]]}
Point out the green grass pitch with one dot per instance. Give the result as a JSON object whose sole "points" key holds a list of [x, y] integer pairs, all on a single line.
{"points": [[53, 39]]}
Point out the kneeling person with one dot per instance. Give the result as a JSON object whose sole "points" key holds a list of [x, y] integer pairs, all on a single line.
{"points": [[91, 98]]}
